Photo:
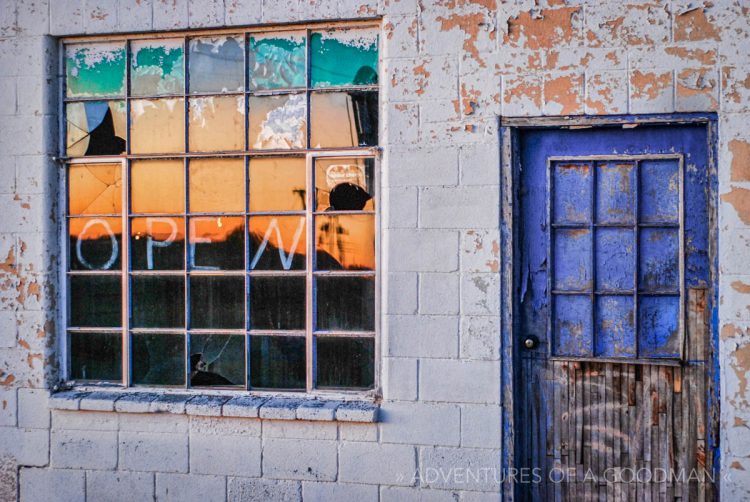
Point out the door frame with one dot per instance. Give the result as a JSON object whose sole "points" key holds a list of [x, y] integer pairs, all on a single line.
{"points": [[510, 129]]}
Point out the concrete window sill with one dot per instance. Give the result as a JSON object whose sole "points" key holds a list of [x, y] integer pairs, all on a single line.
{"points": [[269, 408]]}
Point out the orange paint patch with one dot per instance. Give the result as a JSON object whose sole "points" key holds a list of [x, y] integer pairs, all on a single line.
{"points": [[740, 170], [706, 57], [520, 88], [741, 367], [736, 465], [728, 331], [694, 26], [565, 91], [741, 287], [649, 85], [553, 27], [739, 198], [470, 24]]}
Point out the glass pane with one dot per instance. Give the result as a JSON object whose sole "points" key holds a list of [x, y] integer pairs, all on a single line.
{"points": [[217, 185], [157, 186], [96, 356], [217, 243], [572, 193], [344, 184], [277, 184], [157, 243], [345, 242], [95, 69], [94, 189], [95, 128], [572, 259], [572, 326], [157, 301], [615, 192], [276, 60], [277, 362], [341, 119], [345, 303], [346, 362], [659, 267], [158, 359], [95, 243], [615, 259], [660, 191], [217, 360], [344, 57], [277, 302], [659, 326], [277, 242], [217, 123], [157, 67], [217, 64], [615, 326], [217, 302], [278, 122], [157, 125], [95, 301]]}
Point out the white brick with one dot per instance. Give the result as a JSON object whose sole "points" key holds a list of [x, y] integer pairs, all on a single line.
{"points": [[480, 164], [29, 447], [84, 449], [480, 251], [243, 406], [52, 484], [400, 379], [401, 290], [422, 336], [189, 487], [462, 207], [438, 293], [299, 429], [279, 409], [147, 451], [373, 463], [422, 250], [353, 431], [135, 16], [238, 12], [205, 13], [480, 294], [280, 11], [459, 381], [225, 426], [299, 459], [66, 17], [233, 455], [84, 421], [481, 426], [136, 402], [324, 492], [460, 469], [206, 405], [417, 423], [317, 410], [115, 486], [33, 411], [100, 401], [170, 14], [397, 494], [153, 422], [480, 337], [400, 207], [423, 167], [262, 490], [8, 407], [356, 411], [170, 403], [100, 16]]}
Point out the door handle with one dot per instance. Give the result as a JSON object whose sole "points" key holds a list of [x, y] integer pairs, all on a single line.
{"points": [[530, 342]]}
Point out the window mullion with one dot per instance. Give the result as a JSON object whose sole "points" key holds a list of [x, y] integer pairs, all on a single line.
{"points": [[310, 279]]}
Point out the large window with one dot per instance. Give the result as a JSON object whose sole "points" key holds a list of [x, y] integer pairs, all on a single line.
{"points": [[221, 209]]}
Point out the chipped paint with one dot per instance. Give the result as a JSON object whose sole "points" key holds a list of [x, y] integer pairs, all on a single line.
{"points": [[740, 167], [693, 26], [649, 84], [739, 198], [563, 95], [550, 28]]}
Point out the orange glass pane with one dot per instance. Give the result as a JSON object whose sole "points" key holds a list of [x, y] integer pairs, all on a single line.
{"points": [[277, 242], [277, 184], [157, 125], [217, 123], [157, 186], [95, 189], [217, 185], [345, 242], [340, 119], [344, 184]]}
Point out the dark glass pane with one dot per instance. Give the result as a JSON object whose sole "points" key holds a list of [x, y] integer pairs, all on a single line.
{"points": [[341, 119], [217, 360], [615, 326], [217, 243], [346, 362], [157, 67], [572, 193], [277, 302], [344, 184], [277, 242], [572, 259], [345, 242], [277, 362], [217, 185], [345, 303], [660, 191], [95, 301], [95, 243], [615, 192], [659, 326], [157, 186], [276, 60], [157, 243], [157, 301], [572, 326], [157, 125], [278, 122], [95, 128], [344, 57], [277, 184], [217, 123], [217, 64], [95, 69], [659, 267], [96, 356], [94, 189], [217, 302], [158, 359]]}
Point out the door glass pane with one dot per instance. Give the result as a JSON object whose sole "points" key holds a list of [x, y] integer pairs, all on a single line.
{"points": [[571, 192], [615, 326], [95, 356], [217, 360], [277, 302], [158, 359], [157, 67], [94, 189], [345, 303], [615, 259], [659, 267], [344, 57], [344, 184], [217, 302], [343, 119], [95, 301], [157, 186], [572, 259], [277, 242], [276, 60], [217, 64], [615, 192], [217, 123], [217, 243], [95, 69], [95, 128], [278, 122], [157, 243], [217, 185], [95, 243], [277, 184], [345, 242], [345, 362], [157, 125], [660, 191], [658, 326], [277, 362], [157, 301], [572, 326]]}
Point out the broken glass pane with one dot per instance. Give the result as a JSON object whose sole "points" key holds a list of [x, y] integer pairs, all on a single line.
{"points": [[95, 70], [345, 362], [345, 242], [157, 125], [277, 242], [157, 186], [217, 302], [95, 243], [158, 358], [95, 356], [276, 60], [278, 122], [345, 303], [157, 243], [95, 128], [217, 360], [157, 67], [217, 64], [340, 119], [277, 302], [277, 362], [94, 188], [277, 184], [157, 301], [344, 184], [217, 123], [217, 185], [344, 57], [217, 243], [96, 301]]}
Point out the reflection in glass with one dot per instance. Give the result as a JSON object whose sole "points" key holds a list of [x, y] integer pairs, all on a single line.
{"points": [[95, 128], [341, 119], [344, 184], [277, 184], [276, 60], [345, 362], [278, 122], [157, 67], [277, 302], [95, 301], [345, 303], [345, 242], [217, 360], [277, 362], [277, 242], [217, 123], [217, 64], [217, 302], [157, 125], [217, 243], [158, 358], [94, 188], [95, 69], [344, 57], [216, 185], [95, 243], [157, 301], [157, 243], [95, 356], [157, 186]]}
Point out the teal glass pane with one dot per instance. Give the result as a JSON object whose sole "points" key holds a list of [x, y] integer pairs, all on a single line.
{"points": [[344, 57], [276, 60], [157, 67], [95, 70]]}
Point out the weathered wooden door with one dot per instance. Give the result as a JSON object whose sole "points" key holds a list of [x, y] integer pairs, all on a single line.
{"points": [[615, 294]]}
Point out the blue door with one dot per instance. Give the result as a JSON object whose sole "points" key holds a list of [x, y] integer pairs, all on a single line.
{"points": [[615, 290]]}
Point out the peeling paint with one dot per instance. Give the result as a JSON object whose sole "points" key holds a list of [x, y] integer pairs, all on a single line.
{"points": [[693, 26], [552, 27], [650, 84], [740, 167], [739, 198]]}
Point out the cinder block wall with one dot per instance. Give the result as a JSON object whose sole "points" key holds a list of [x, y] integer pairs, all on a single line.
{"points": [[450, 67]]}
